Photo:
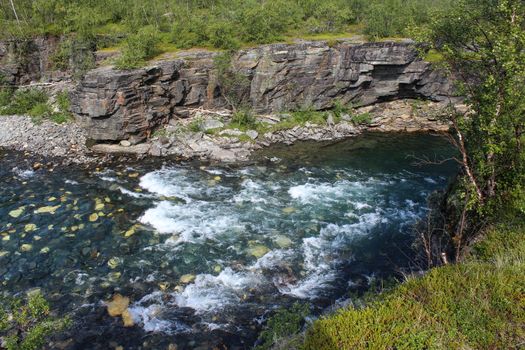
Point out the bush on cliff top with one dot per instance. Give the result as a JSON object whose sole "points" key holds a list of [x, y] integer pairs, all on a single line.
{"points": [[138, 48], [222, 24], [479, 304]]}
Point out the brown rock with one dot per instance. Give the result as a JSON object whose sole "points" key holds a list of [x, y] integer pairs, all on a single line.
{"points": [[127, 318], [117, 305]]}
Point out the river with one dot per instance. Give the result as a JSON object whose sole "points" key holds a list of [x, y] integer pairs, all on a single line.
{"points": [[206, 252]]}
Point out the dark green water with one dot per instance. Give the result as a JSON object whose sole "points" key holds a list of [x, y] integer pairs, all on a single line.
{"points": [[312, 222]]}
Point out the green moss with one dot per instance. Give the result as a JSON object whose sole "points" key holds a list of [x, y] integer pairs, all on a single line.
{"points": [[433, 56], [285, 323], [478, 304]]}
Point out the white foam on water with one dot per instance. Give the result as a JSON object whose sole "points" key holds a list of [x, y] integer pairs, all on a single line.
{"points": [[273, 259], [71, 182], [309, 287], [430, 180], [213, 326], [148, 313], [23, 173], [213, 293], [320, 254], [192, 222], [147, 316], [171, 182], [205, 217], [131, 193], [328, 193], [214, 171], [252, 192], [360, 205], [108, 178], [309, 193], [81, 279]]}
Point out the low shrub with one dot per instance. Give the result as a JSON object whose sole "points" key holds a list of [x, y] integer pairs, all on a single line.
{"points": [[340, 109], [26, 324], [361, 119], [6, 95], [74, 54], [36, 104], [24, 100], [138, 48], [244, 119], [195, 125]]}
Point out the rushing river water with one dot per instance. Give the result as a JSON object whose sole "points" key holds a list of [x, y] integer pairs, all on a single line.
{"points": [[205, 252]]}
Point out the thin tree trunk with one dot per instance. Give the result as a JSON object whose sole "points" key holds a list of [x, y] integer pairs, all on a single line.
{"points": [[464, 159], [14, 11]]}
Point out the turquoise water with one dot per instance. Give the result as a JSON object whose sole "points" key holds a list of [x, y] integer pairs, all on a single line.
{"points": [[206, 252]]}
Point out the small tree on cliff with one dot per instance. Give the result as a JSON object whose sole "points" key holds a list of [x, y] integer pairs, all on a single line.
{"points": [[233, 85], [483, 44]]}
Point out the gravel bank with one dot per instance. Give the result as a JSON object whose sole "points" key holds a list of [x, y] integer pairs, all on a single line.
{"points": [[65, 141]]}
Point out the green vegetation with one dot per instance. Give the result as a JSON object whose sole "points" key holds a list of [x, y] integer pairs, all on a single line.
{"points": [[289, 120], [478, 304], [35, 103], [243, 120], [282, 327], [26, 324], [138, 48], [234, 86], [140, 28], [75, 54], [433, 56], [482, 42]]}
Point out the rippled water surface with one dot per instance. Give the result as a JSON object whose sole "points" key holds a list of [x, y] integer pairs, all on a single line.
{"points": [[205, 252]]}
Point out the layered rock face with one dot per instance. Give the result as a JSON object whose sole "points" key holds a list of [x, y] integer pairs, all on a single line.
{"points": [[116, 105]]}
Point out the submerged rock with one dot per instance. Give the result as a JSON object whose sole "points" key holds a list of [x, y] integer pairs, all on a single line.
{"points": [[258, 250], [283, 242], [30, 228], [127, 318], [188, 278], [47, 210], [26, 247], [17, 212], [117, 305]]}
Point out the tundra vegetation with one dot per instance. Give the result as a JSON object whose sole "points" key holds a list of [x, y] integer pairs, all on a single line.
{"points": [[142, 29]]}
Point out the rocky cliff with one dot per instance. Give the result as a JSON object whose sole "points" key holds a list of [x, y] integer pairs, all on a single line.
{"points": [[116, 105], [28, 61]]}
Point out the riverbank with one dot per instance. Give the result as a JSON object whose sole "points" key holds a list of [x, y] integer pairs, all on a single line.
{"points": [[476, 304], [211, 135], [47, 139]]}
